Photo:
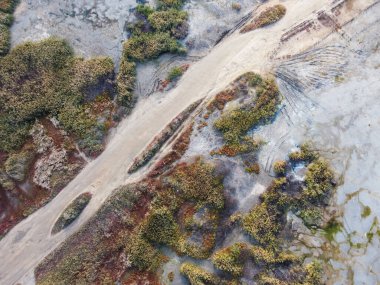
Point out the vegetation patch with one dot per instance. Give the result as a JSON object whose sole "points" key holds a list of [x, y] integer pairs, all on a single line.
{"points": [[72, 212], [221, 99], [265, 18], [236, 123], [178, 150], [279, 167], [162, 138], [231, 259], [198, 276], [96, 253], [49, 80], [176, 72], [6, 19]]}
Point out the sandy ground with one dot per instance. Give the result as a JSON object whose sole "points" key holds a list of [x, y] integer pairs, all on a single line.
{"points": [[30, 241]]}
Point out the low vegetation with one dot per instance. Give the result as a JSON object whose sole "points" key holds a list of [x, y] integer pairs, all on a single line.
{"points": [[265, 18], [231, 259], [44, 78], [155, 32], [162, 138], [178, 150], [198, 276], [235, 124], [176, 72], [72, 212], [184, 207], [6, 19]]}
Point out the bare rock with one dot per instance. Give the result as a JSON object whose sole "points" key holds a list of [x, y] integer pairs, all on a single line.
{"points": [[46, 165]]}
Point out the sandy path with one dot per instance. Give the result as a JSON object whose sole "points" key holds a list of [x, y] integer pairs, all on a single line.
{"points": [[30, 241]]}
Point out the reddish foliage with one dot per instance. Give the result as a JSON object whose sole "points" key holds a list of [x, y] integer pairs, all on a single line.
{"points": [[178, 150], [221, 99]]}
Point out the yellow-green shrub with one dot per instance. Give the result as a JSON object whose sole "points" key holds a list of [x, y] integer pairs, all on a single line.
{"points": [[318, 179], [230, 259], [198, 276], [150, 45], [170, 21]]}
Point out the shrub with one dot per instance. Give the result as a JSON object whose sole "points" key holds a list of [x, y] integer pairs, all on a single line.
{"points": [[198, 276], [6, 19], [246, 145], [142, 254], [44, 78], [170, 21], [236, 123], [175, 73], [160, 227], [236, 6], [5, 39], [71, 212], [279, 167], [198, 182], [17, 164], [144, 10], [150, 45], [253, 168], [167, 4], [262, 225], [221, 99], [267, 17], [7, 6], [318, 180], [125, 83], [230, 259], [305, 154]]}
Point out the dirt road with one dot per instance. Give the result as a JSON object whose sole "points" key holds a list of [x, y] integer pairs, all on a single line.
{"points": [[30, 241]]}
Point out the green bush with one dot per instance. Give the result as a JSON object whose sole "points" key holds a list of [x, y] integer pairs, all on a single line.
{"points": [[175, 73], [44, 78], [235, 124], [150, 45], [262, 225], [5, 40], [125, 83], [6, 19], [167, 4], [71, 212], [263, 222], [198, 276], [7, 6], [197, 182], [319, 177], [160, 227], [305, 154], [314, 273], [267, 17], [171, 21], [230, 259], [279, 167]]}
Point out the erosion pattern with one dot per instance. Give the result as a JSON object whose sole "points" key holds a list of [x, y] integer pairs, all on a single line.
{"points": [[325, 55]]}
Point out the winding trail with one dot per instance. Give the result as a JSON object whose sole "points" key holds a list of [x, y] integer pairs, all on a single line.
{"points": [[30, 241]]}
